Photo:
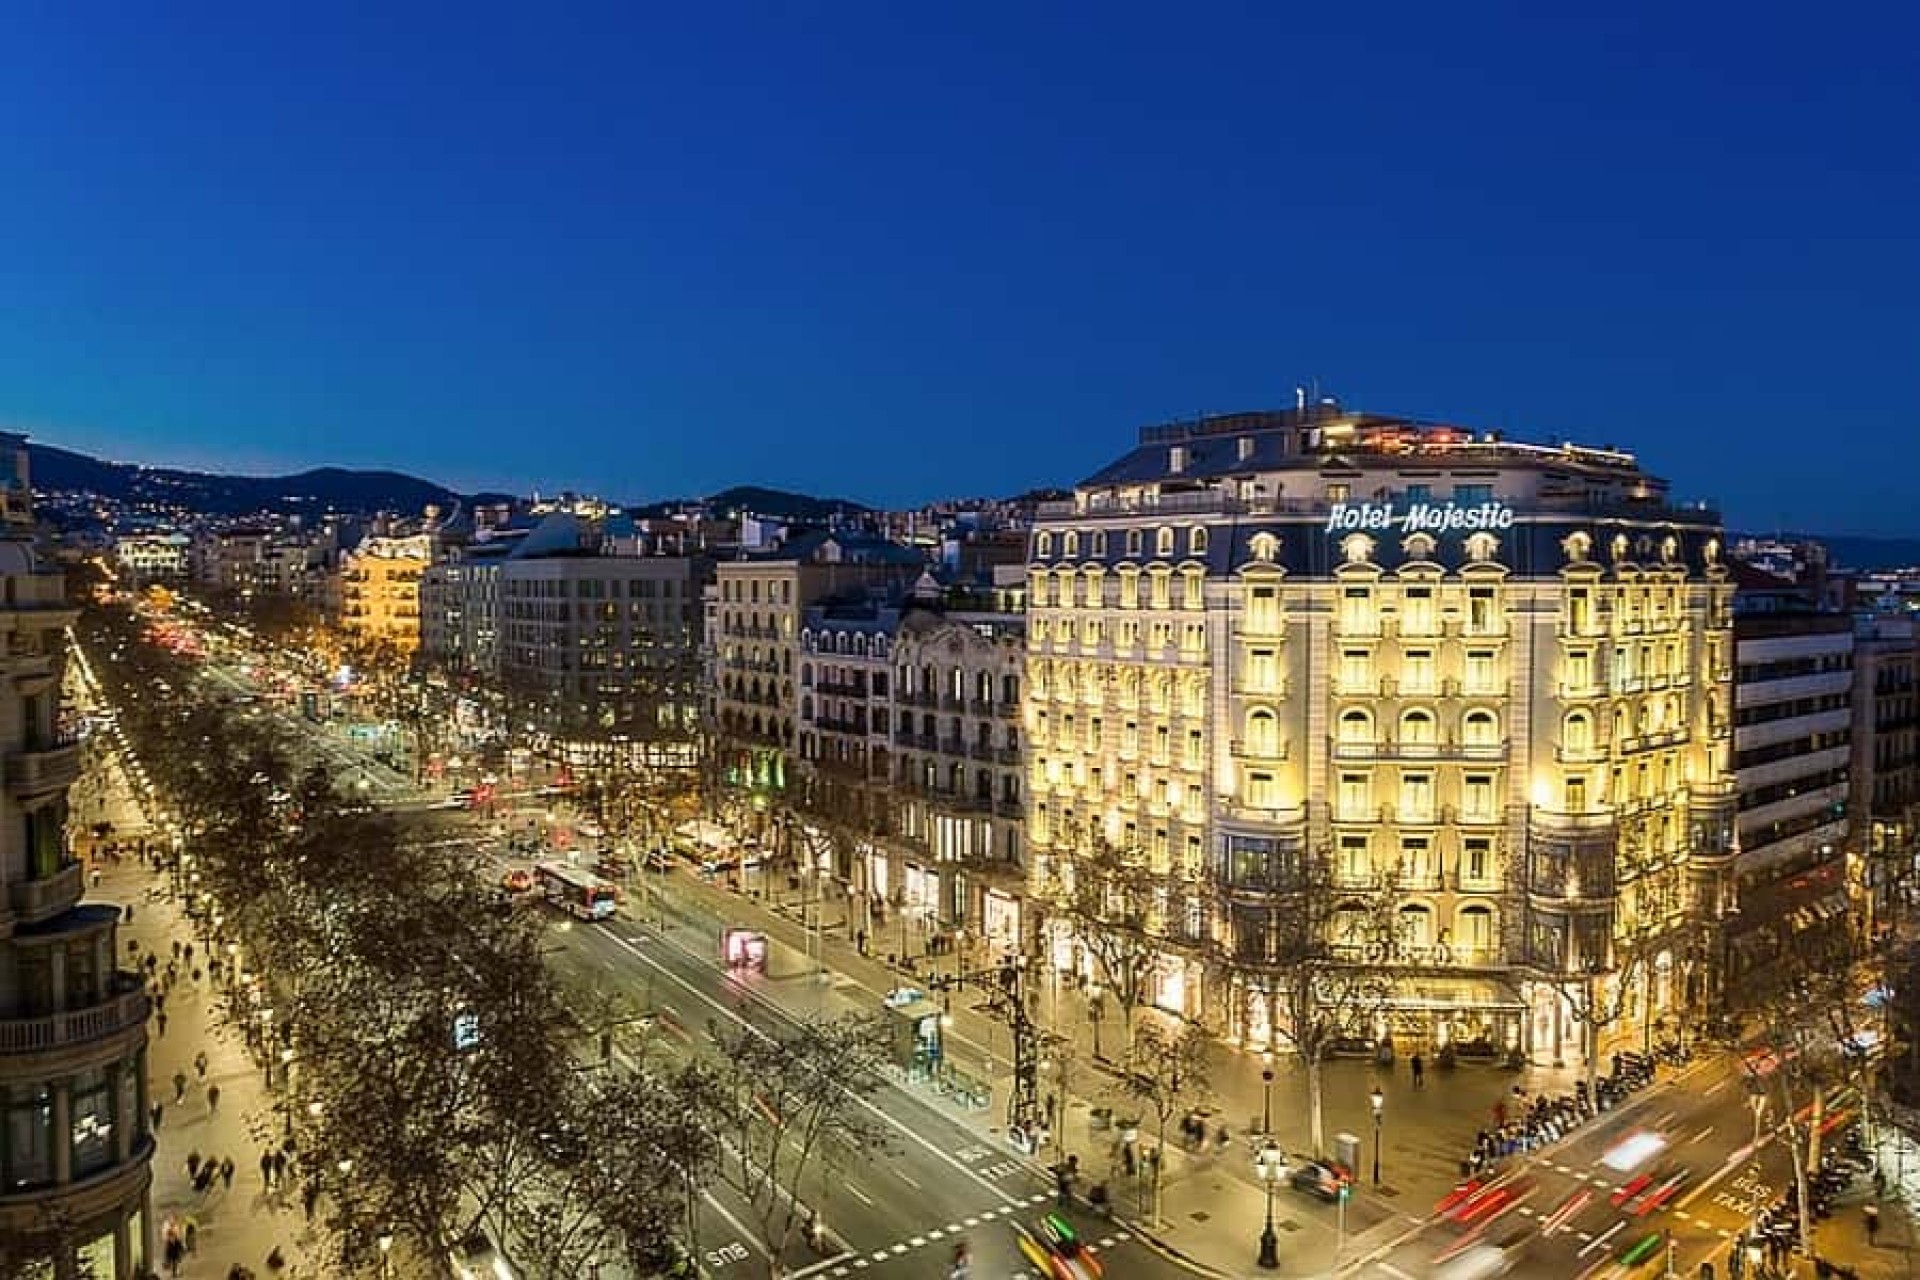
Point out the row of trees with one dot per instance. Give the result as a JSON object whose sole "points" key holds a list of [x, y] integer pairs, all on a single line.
{"points": [[436, 1080]]}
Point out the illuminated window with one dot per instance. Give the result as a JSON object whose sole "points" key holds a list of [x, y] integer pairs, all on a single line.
{"points": [[1356, 726], [1356, 609], [1262, 791], [1579, 610], [1355, 864], [1263, 671], [1576, 732], [1476, 928], [1163, 542], [1480, 729], [1476, 797], [1481, 617], [1576, 795], [1416, 797], [1193, 589], [1417, 671], [1133, 542], [1263, 609], [1129, 589], [1416, 927], [1197, 541], [1417, 728], [1476, 858], [1416, 611], [1356, 797], [1416, 857], [1043, 544], [1480, 677], [1196, 754], [1070, 544], [1263, 732], [1356, 670], [1160, 589]]}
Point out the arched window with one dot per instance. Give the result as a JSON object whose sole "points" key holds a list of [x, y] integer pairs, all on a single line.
{"points": [[1416, 926], [1417, 728], [1576, 732], [1263, 732], [1163, 542], [1356, 726], [1197, 540], [1351, 925], [1070, 544], [1042, 544], [1480, 729], [1133, 542]]}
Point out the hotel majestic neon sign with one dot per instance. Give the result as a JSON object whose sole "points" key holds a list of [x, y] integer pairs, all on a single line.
{"points": [[1431, 517]]}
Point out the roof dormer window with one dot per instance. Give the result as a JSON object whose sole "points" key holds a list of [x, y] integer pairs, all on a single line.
{"points": [[1177, 458]]}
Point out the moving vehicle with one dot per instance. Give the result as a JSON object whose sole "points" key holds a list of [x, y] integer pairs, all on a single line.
{"points": [[475, 1258], [901, 997], [576, 892], [1053, 1247], [516, 880], [1319, 1178]]}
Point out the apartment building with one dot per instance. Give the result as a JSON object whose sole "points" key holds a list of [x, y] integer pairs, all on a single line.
{"points": [[756, 609], [1884, 789], [1793, 748], [75, 1145], [380, 589], [153, 557], [1476, 691]]}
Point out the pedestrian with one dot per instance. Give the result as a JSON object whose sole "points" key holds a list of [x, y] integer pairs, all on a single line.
{"points": [[186, 953], [190, 1234], [213, 1098], [266, 1170], [175, 1253], [127, 912], [1871, 1212], [310, 1197], [279, 1168], [200, 1064], [176, 948], [179, 1086], [160, 1019], [153, 1114], [1419, 1072], [193, 1163], [226, 1172]]}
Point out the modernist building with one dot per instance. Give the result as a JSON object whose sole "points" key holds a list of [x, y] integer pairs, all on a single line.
{"points": [[1476, 693], [380, 589], [909, 734], [74, 1144]]}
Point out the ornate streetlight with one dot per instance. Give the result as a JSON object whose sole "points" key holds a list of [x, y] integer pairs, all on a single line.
{"points": [[1271, 1165]]}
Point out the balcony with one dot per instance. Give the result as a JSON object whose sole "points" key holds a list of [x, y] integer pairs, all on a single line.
{"points": [[37, 900], [1009, 807], [1258, 752], [122, 1011], [1006, 755], [36, 770], [1590, 753]]}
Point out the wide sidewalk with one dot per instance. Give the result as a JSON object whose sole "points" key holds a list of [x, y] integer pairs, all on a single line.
{"points": [[244, 1221]]}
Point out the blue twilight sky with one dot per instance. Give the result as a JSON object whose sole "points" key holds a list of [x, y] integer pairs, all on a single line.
{"points": [[899, 251]]}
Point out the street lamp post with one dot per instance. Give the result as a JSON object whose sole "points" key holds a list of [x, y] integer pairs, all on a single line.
{"points": [[1270, 1164], [1094, 1011], [1266, 1098], [1379, 1108]]}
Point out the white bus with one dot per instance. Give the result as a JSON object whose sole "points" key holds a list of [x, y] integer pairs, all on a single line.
{"points": [[579, 893]]}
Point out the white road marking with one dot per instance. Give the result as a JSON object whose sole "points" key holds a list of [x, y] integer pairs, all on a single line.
{"points": [[902, 1175], [900, 1248], [953, 1228], [918, 1242], [1394, 1271], [973, 1222], [857, 1193], [1603, 1237], [1700, 1136], [936, 1234]]}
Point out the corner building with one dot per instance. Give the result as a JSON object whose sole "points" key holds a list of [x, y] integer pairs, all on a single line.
{"points": [[1478, 692]]}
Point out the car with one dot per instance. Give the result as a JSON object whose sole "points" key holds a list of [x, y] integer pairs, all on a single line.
{"points": [[1063, 1242], [517, 880], [900, 997], [1319, 1178], [475, 1258]]}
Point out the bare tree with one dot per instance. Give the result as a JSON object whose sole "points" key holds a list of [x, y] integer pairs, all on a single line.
{"points": [[1116, 904], [1168, 1076], [789, 1096]]}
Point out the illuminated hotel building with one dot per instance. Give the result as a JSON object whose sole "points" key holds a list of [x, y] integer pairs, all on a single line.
{"points": [[1477, 691]]}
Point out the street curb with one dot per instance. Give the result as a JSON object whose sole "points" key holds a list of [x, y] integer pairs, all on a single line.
{"points": [[1171, 1254]]}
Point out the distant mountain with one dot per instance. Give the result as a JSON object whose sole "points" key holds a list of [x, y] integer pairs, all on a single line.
{"points": [[313, 492], [777, 504]]}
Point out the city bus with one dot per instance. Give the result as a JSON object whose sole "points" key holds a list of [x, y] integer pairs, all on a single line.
{"points": [[577, 892]]}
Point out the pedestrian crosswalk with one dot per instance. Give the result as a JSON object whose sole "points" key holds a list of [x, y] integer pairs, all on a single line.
{"points": [[985, 1218]]}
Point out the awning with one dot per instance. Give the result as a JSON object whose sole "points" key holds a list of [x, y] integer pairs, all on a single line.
{"points": [[1447, 995]]}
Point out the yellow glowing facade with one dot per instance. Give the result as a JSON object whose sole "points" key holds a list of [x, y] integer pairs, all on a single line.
{"points": [[1489, 701], [380, 590]]}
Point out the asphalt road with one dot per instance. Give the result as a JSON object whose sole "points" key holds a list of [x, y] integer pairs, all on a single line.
{"points": [[1564, 1219], [900, 1211]]}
